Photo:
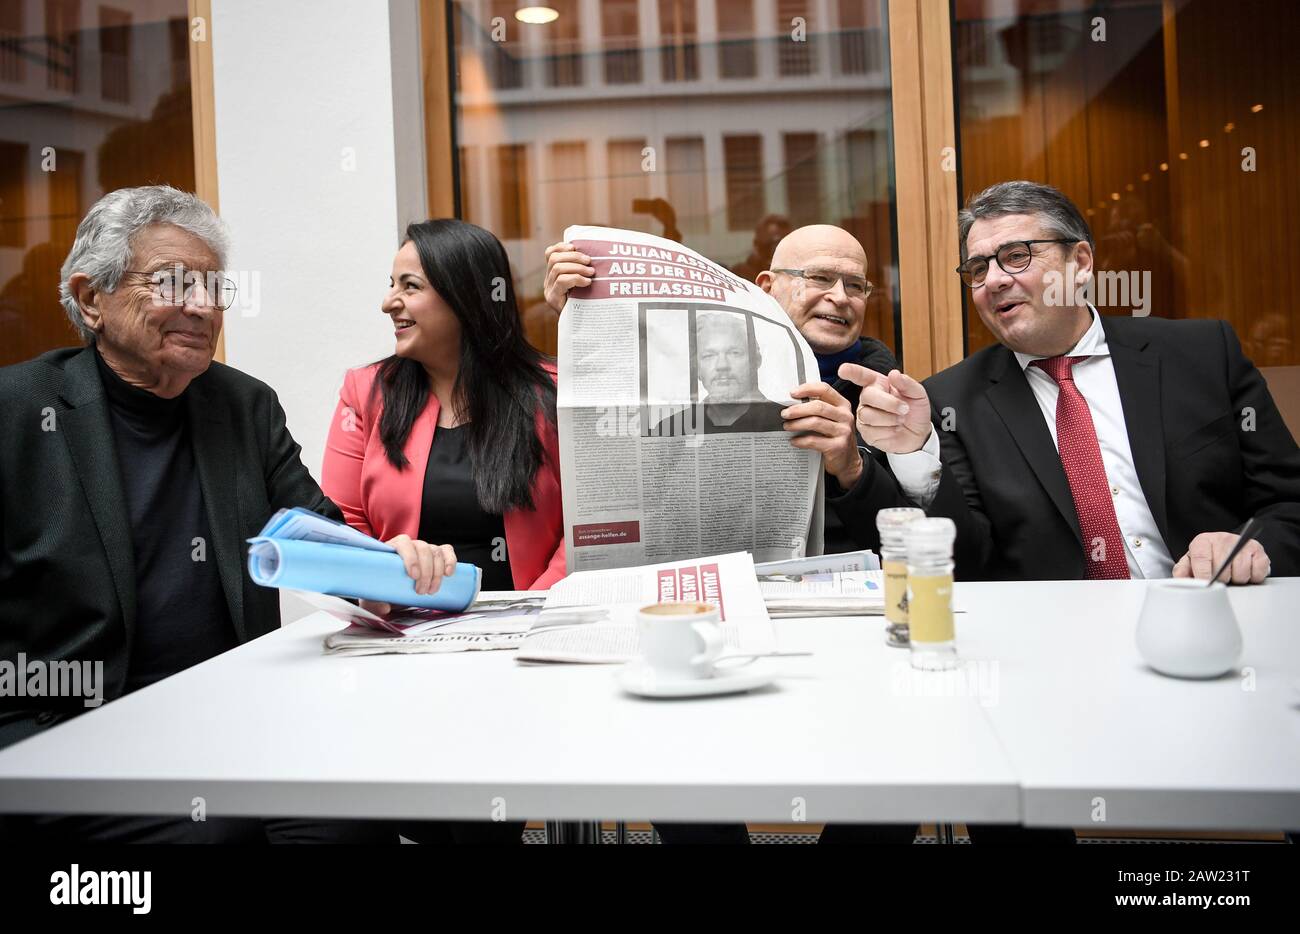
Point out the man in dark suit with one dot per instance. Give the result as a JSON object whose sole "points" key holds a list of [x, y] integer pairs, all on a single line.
{"points": [[1079, 446], [134, 470]]}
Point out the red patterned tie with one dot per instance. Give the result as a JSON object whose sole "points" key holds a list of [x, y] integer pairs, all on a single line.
{"points": [[1076, 441]]}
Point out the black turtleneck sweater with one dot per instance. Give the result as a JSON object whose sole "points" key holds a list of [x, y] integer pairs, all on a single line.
{"points": [[181, 616]]}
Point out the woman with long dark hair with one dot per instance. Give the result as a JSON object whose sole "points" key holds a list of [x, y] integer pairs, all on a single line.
{"points": [[454, 436]]}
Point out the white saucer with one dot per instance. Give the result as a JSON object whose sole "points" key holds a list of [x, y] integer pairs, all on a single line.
{"points": [[640, 679]]}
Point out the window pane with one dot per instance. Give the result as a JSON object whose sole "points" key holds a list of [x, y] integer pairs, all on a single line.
{"points": [[796, 43], [115, 54], [628, 183], [803, 178], [688, 182], [92, 98], [723, 123], [679, 54], [13, 194], [860, 46], [564, 46], [62, 38], [511, 178], [621, 31], [468, 159], [567, 182], [737, 50], [743, 157], [12, 32]]}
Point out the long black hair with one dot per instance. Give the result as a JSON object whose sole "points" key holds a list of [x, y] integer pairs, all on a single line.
{"points": [[501, 384]]}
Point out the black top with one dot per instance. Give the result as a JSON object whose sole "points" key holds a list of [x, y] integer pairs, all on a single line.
{"points": [[181, 615], [450, 513]]}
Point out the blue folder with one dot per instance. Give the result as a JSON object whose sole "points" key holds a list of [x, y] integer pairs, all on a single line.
{"points": [[365, 569]]}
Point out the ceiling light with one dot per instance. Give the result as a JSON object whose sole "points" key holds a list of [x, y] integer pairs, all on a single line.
{"points": [[537, 15]]}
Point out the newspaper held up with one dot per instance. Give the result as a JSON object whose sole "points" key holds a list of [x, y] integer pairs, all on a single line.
{"points": [[672, 377]]}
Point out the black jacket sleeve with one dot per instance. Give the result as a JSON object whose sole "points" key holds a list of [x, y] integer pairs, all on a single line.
{"points": [[1270, 460]]}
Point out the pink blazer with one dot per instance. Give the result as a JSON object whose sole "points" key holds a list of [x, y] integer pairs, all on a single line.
{"points": [[382, 501]]}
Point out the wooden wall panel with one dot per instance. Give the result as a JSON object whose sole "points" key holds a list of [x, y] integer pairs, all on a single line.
{"points": [[1237, 227], [1214, 239]]}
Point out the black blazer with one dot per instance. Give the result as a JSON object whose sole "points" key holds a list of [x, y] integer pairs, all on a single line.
{"points": [[1209, 447], [67, 581]]}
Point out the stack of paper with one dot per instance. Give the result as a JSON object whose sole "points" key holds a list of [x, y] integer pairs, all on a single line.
{"points": [[846, 593]]}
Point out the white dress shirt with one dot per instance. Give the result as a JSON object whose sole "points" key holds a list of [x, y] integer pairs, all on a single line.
{"points": [[1148, 556]]}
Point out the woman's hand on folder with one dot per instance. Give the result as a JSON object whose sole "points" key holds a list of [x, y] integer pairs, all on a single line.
{"points": [[425, 564]]}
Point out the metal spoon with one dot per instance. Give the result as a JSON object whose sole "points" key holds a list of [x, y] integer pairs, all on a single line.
{"points": [[751, 656]]}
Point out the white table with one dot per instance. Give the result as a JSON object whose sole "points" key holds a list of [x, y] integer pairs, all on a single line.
{"points": [[1066, 714], [1086, 724]]}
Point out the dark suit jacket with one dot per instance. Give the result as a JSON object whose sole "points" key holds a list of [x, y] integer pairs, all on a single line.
{"points": [[67, 580], [1209, 447]]}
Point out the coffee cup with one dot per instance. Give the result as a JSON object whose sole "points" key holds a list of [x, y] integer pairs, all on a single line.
{"points": [[681, 639]]}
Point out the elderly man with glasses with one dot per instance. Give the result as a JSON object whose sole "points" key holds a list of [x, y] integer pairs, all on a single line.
{"points": [[134, 469]]}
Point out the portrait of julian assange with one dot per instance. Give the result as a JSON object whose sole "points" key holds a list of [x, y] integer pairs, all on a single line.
{"points": [[727, 366]]}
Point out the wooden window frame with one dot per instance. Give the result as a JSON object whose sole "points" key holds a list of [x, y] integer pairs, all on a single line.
{"points": [[925, 173], [205, 120]]}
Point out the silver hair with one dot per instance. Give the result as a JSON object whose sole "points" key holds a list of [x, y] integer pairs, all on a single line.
{"points": [[103, 245], [1057, 212]]}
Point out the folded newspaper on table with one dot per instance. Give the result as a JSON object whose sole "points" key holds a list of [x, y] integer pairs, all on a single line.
{"points": [[298, 549], [848, 584], [673, 373], [590, 616], [495, 621]]}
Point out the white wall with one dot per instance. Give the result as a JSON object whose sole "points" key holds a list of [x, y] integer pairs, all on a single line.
{"points": [[299, 87]]}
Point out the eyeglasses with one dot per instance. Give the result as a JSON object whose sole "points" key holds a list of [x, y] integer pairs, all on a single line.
{"points": [[823, 280], [175, 286], [1012, 257]]}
